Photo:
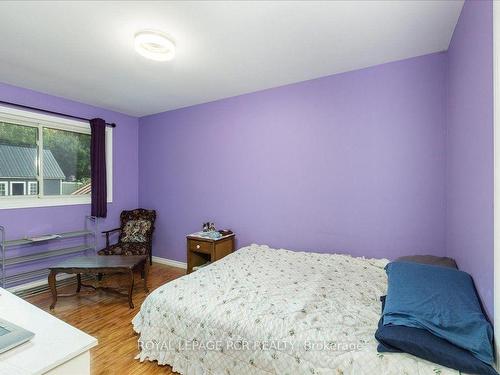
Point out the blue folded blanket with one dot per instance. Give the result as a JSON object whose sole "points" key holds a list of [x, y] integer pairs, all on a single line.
{"points": [[423, 344], [440, 300]]}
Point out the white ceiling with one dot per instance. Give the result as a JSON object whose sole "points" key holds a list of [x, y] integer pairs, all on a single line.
{"points": [[84, 50]]}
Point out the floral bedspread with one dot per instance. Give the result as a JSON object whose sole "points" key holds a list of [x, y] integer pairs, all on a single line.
{"points": [[273, 311]]}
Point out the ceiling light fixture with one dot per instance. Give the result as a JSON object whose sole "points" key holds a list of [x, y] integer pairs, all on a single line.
{"points": [[154, 45]]}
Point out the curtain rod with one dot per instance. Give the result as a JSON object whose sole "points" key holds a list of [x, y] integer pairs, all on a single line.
{"points": [[113, 125]]}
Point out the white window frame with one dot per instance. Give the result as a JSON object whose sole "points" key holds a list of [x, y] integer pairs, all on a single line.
{"points": [[30, 184], [12, 188], [40, 121], [6, 186]]}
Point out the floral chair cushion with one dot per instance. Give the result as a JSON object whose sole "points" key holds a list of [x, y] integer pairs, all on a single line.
{"points": [[136, 231], [139, 215], [130, 248]]}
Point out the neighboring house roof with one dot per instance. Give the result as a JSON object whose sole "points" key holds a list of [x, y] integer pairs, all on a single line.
{"points": [[85, 189], [18, 162]]}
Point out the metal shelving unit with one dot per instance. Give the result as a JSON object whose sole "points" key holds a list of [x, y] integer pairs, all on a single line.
{"points": [[8, 259]]}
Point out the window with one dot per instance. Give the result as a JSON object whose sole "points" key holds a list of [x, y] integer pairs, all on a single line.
{"points": [[33, 188], [17, 188], [45, 160], [66, 162], [4, 188]]}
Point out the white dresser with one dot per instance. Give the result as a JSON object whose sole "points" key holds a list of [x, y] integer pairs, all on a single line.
{"points": [[56, 349]]}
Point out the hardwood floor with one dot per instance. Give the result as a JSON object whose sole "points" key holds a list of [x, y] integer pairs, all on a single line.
{"points": [[107, 317]]}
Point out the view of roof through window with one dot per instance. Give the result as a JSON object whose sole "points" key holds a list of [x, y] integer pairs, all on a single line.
{"points": [[65, 159]]}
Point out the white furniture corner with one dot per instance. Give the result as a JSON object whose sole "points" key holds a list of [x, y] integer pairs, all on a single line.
{"points": [[57, 348]]}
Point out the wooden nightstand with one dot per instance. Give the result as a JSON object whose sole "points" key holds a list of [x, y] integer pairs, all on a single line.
{"points": [[201, 250]]}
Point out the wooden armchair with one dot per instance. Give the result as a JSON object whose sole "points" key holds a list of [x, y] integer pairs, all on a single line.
{"points": [[136, 234]]}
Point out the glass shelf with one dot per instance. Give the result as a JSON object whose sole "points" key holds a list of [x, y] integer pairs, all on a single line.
{"points": [[8, 259], [61, 236]]}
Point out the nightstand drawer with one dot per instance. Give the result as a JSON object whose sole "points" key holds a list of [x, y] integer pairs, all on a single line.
{"points": [[200, 246]]}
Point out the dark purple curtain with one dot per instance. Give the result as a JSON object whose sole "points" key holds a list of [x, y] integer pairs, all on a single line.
{"points": [[98, 166]]}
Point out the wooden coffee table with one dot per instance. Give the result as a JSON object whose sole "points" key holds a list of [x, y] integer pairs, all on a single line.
{"points": [[100, 265]]}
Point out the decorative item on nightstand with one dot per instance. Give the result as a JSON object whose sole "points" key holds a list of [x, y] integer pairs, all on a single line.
{"points": [[203, 247], [209, 227]]}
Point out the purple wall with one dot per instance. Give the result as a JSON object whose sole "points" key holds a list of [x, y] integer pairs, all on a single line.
{"points": [[469, 182], [352, 163], [21, 222], [390, 160]]}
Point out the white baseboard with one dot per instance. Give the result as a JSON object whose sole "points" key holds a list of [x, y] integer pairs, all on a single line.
{"points": [[36, 283], [40, 282], [170, 262]]}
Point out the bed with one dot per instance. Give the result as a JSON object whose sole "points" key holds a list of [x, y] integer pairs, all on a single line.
{"points": [[273, 311]]}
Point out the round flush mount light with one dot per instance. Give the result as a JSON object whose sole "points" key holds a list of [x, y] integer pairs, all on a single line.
{"points": [[154, 45]]}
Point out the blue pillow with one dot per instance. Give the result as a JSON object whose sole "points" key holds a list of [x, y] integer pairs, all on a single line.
{"points": [[423, 344], [440, 300]]}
